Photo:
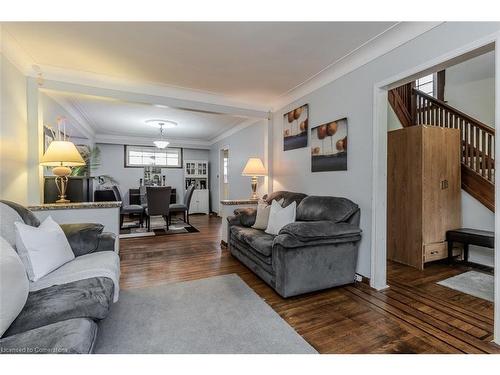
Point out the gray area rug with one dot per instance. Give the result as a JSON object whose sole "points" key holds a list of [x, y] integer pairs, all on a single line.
{"points": [[476, 284], [215, 315]]}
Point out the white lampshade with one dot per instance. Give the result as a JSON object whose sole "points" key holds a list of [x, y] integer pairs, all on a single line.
{"points": [[254, 167], [62, 153]]}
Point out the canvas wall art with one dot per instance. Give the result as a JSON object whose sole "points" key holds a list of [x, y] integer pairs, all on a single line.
{"points": [[329, 146], [295, 125]]}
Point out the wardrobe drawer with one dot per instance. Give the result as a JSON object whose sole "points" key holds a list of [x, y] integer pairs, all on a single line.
{"points": [[435, 251]]}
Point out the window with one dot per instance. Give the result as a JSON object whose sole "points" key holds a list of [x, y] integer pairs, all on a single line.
{"points": [[426, 84], [143, 156]]}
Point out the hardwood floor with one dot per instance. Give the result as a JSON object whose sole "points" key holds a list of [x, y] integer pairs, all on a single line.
{"points": [[415, 315]]}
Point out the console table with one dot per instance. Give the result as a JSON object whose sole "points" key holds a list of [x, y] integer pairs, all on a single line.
{"points": [[228, 206]]}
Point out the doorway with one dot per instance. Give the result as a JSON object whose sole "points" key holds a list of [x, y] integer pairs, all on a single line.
{"points": [[379, 215]]}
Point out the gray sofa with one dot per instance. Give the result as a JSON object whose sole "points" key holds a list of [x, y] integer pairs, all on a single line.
{"points": [[61, 317], [318, 251]]}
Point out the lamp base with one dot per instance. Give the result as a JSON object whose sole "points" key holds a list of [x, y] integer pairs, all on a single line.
{"points": [[254, 189], [62, 174]]}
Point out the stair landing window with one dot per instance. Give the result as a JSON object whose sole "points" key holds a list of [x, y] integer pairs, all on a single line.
{"points": [[426, 84]]}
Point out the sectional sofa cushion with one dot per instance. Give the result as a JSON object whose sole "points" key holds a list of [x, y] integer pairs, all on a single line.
{"points": [[42, 249], [73, 336], [99, 264], [88, 298], [280, 216], [83, 238], [319, 230], [314, 208], [261, 242], [287, 196], [14, 285]]}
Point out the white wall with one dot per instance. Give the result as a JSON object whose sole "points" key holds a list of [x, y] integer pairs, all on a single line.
{"points": [[112, 164], [248, 142], [351, 96], [13, 134], [470, 87]]}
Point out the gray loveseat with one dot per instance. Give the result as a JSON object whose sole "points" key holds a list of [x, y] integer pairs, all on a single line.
{"points": [[318, 251], [60, 317]]}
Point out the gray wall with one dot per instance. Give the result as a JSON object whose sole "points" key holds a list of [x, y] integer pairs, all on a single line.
{"points": [[112, 163], [14, 134], [248, 142], [351, 96], [470, 87]]}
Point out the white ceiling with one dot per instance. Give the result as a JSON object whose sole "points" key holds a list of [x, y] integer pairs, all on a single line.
{"points": [[107, 116], [249, 62]]}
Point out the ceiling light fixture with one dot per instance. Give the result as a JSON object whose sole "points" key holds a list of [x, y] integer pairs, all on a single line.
{"points": [[161, 143]]}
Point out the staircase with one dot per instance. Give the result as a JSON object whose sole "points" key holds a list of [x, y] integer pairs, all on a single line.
{"points": [[414, 107]]}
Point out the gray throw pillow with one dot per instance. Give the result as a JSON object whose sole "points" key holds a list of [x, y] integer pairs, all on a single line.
{"points": [[263, 210]]}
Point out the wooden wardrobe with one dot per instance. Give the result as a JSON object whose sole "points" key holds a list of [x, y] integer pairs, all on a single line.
{"points": [[423, 192]]}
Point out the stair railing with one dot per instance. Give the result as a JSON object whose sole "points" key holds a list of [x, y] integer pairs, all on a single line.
{"points": [[478, 139]]}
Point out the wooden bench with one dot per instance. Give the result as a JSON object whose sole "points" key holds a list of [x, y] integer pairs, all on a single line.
{"points": [[467, 237]]}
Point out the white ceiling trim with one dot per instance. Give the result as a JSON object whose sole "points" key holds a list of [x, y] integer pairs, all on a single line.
{"points": [[87, 129], [14, 53], [146, 141], [378, 46], [235, 129], [150, 88]]}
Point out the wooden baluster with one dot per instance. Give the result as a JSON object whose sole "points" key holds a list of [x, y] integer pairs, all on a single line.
{"points": [[483, 153], [477, 154], [489, 158], [466, 143]]}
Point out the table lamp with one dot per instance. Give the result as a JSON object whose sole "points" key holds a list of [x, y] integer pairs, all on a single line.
{"points": [[254, 168], [62, 155]]}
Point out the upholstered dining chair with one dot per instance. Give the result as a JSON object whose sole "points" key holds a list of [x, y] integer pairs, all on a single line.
{"points": [[128, 209], [183, 207], [158, 200]]}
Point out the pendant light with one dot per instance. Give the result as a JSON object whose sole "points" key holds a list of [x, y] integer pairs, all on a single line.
{"points": [[162, 142]]}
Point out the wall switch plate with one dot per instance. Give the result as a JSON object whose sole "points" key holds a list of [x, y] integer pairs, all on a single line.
{"points": [[358, 278]]}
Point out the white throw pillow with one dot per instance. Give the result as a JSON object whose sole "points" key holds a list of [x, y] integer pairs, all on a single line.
{"points": [[279, 217], [14, 285], [263, 211], [42, 249]]}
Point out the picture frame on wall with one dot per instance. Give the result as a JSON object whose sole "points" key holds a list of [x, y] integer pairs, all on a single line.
{"points": [[295, 126], [329, 146]]}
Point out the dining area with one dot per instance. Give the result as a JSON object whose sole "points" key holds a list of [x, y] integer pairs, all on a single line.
{"points": [[155, 212]]}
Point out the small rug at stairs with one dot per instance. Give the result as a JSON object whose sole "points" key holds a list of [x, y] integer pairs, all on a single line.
{"points": [[475, 283], [217, 315], [158, 228]]}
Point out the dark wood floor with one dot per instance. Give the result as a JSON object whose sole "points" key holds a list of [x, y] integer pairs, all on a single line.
{"points": [[415, 315]]}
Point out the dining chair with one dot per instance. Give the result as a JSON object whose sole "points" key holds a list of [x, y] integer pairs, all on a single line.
{"points": [[128, 209], [184, 207], [158, 201]]}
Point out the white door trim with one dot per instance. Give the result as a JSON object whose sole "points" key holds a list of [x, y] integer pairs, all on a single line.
{"points": [[378, 278]]}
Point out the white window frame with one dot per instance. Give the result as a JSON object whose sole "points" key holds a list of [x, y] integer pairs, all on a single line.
{"points": [[156, 152]]}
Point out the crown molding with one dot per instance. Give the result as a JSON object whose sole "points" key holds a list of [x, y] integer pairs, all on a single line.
{"points": [[11, 50], [235, 129], [147, 141], [85, 127], [381, 44]]}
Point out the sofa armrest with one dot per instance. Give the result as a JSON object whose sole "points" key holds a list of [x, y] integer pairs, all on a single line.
{"points": [[106, 242], [243, 216], [310, 233], [85, 238]]}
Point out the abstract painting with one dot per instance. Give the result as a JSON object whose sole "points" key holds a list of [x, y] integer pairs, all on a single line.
{"points": [[295, 125], [329, 146]]}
